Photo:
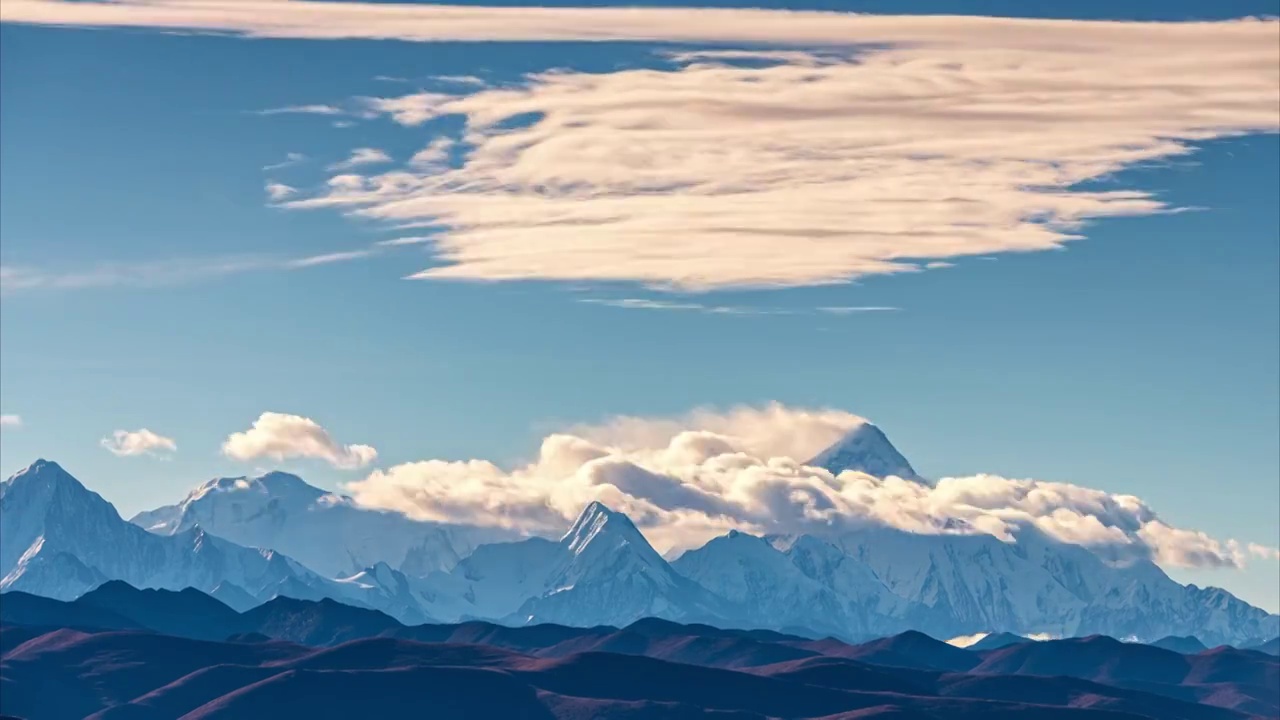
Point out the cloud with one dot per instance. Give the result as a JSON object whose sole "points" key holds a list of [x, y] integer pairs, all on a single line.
{"points": [[279, 191], [318, 20], [125, 443], [280, 436], [146, 273], [402, 241], [10, 421], [159, 273], [290, 159], [329, 258], [687, 479], [657, 304], [303, 110], [410, 110], [1264, 552], [901, 141], [819, 169], [361, 157], [855, 309], [459, 79]]}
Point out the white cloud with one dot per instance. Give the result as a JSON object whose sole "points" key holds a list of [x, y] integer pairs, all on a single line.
{"points": [[820, 169], [280, 436], [688, 479], [908, 140], [459, 79], [319, 20], [125, 443], [411, 110], [1263, 552], [279, 191], [10, 421], [361, 157], [304, 110], [329, 258], [434, 155], [408, 240], [855, 309]]}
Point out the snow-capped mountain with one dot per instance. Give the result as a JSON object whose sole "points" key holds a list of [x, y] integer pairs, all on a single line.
{"points": [[601, 572], [802, 587], [324, 531], [59, 539], [865, 449]]}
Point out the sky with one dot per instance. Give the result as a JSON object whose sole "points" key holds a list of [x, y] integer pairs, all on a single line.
{"points": [[370, 242]]}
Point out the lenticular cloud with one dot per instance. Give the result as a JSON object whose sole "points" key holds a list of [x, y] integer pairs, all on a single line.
{"points": [[685, 481], [782, 169]]}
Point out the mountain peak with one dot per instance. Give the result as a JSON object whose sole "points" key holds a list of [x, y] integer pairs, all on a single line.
{"points": [[44, 484], [865, 449], [42, 470], [275, 484], [596, 518]]}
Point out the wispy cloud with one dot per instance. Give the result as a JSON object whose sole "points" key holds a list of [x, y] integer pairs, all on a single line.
{"points": [[329, 258], [659, 304], [904, 141], [10, 421], [819, 168], [126, 443], [159, 273], [279, 191], [403, 241], [289, 160], [146, 273], [303, 110], [644, 304], [855, 309], [361, 157], [460, 80]]}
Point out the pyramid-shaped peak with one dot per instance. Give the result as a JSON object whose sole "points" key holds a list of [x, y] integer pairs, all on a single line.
{"points": [[865, 449], [594, 520], [46, 479], [44, 470]]}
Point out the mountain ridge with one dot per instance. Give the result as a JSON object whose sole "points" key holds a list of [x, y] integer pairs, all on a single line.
{"points": [[854, 584]]}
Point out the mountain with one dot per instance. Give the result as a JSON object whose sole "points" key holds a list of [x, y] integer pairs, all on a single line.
{"points": [[1270, 647], [961, 584], [601, 572], [58, 539], [808, 584], [184, 613], [389, 590], [1186, 644], [996, 641], [910, 649], [652, 669], [865, 449], [325, 532]]}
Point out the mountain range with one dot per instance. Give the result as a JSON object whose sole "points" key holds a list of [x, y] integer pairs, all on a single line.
{"points": [[121, 652], [246, 541]]}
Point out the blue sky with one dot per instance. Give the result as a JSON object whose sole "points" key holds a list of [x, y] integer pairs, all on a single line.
{"points": [[151, 287]]}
